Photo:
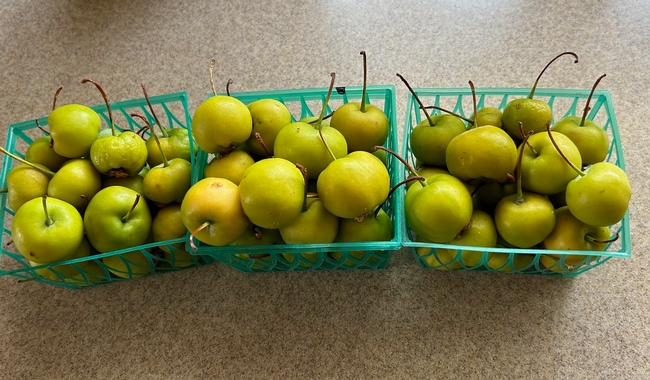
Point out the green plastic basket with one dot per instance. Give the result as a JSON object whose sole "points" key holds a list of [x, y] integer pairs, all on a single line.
{"points": [[563, 102], [366, 255], [148, 259]]}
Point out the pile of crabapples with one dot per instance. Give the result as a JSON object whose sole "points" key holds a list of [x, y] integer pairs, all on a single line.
{"points": [[271, 180], [82, 190], [511, 179], [496, 179]]}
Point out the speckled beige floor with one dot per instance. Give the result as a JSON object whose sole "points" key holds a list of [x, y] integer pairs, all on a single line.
{"points": [[403, 322]]}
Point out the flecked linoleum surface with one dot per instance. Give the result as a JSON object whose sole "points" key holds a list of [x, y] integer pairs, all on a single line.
{"points": [[403, 322]]}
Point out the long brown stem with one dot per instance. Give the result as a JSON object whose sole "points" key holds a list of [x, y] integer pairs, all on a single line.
{"points": [[141, 132], [471, 85], [532, 91], [38, 125], [414, 173], [324, 118], [557, 147], [392, 190], [587, 108], [417, 99], [527, 143], [230, 81], [451, 113], [153, 113], [108, 106], [153, 134], [56, 96]]}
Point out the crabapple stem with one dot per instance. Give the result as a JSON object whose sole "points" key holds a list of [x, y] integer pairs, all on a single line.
{"points": [[471, 85], [46, 171], [126, 217], [402, 160], [520, 192], [452, 113], [48, 219], [409, 179], [212, 64], [550, 136], [362, 108], [319, 124], [521, 132], [532, 90], [587, 108], [196, 231], [324, 118], [305, 177], [593, 240], [230, 81], [227, 150], [153, 134], [85, 198], [258, 137], [108, 106], [38, 125], [153, 113], [477, 188], [56, 96], [417, 99], [141, 131], [258, 232]]}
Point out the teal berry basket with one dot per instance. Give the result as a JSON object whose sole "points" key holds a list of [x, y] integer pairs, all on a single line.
{"points": [[110, 267], [293, 257], [563, 102]]}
